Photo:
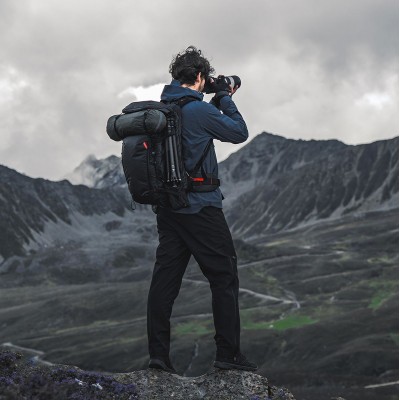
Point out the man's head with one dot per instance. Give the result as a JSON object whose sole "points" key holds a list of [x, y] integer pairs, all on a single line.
{"points": [[187, 65]]}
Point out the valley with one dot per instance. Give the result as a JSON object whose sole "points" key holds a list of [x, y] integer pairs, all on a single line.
{"points": [[319, 307]]}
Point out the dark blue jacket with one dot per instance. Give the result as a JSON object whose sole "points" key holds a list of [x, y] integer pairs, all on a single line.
{"points": [[202, 121]]}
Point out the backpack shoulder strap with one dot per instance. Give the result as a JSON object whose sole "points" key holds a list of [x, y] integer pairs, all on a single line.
{"points": [[182, 101], [185, 100]]}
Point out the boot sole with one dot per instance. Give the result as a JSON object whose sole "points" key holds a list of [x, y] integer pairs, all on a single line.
{"points": [[226, 365]]}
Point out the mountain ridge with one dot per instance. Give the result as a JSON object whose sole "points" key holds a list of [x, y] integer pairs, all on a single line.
{"points": [[295, 182], [270, 185], [284, 180], [28, 204]]}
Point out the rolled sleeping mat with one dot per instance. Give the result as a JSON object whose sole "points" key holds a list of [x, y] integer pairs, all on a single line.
{"points": [[137, 123]]}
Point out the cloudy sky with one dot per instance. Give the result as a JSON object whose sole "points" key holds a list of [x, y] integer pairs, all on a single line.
{"points": [[310, 69]]}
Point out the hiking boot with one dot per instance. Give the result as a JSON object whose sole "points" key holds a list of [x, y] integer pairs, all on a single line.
{"points": [[164, 365], [237, 362]]}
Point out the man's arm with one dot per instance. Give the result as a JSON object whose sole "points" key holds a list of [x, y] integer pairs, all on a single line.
{"points": [[227, 127]]}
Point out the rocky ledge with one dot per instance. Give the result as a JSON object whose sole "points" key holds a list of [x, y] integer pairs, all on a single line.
{"points": [[23, 378], [215, 384]]}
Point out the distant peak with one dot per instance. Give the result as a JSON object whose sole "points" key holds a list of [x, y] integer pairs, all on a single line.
{"points": [[90, 158], [265, 133], [112, 158]]}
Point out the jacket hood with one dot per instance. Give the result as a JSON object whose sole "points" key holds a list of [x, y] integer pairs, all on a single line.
{"points": [[175, 91]]}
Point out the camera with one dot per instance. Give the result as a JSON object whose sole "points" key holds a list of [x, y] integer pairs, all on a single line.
{"points": [[214, 85]]}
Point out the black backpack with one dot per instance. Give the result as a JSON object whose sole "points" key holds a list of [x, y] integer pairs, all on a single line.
{"points": [[152, 151]]}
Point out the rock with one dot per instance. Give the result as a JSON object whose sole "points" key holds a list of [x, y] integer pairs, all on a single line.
{"points": [[26, 378], [215, 384]]}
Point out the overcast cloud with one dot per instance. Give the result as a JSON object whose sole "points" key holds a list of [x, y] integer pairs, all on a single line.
{"points": [[310, 69]]}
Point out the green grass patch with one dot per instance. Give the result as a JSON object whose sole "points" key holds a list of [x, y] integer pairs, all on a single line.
{"points": [[377, 300], [383, 259], [259, 280], [193, 327], [293, 321], [253, 321], [250, 325], [383, 291]]}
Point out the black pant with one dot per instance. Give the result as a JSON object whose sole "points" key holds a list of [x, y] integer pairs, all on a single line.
{"points": [[206, 235]]}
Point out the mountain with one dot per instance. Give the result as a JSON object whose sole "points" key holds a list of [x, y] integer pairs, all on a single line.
{"points": [[37, 213], [274, 184]]}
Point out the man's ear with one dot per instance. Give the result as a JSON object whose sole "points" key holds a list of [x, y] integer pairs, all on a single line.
{"points": [[198, 77]]}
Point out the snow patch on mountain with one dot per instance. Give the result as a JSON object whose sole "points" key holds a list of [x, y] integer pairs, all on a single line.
{"points": [[96, 173]]}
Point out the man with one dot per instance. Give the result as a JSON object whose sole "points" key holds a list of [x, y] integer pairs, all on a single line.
{"points": [[199, 229]]}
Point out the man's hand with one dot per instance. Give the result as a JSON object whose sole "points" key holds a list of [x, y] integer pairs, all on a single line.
{"points": [[219, 85], [233, 91], [222, 89]]}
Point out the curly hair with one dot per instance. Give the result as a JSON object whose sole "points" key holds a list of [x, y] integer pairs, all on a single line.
{"points": [[186, 65]]}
